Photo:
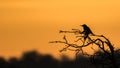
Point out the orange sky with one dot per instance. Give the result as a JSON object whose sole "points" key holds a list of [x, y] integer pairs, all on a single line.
{"points": [[31, 24]]}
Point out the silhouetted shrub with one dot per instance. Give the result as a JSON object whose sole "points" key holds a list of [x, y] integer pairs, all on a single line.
{"points": [[33, 59], [3, 63], [13, 63]]}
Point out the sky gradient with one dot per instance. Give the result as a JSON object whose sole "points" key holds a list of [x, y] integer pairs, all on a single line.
{"points": [[31, 24]]}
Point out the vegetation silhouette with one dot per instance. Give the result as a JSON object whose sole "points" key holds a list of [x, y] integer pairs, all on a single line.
{"points": [[105, 57], [33, 59]]}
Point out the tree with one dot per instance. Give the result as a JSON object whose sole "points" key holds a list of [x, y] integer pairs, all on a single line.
{"points": [[107, 50]]}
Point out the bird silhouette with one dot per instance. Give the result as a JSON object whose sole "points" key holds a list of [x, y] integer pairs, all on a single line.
{"points": [[86, 31]]}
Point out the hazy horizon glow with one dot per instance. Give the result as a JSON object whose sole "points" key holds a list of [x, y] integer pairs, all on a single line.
{"points": [[31, 24]]}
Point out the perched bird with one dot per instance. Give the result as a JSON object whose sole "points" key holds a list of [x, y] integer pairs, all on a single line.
{"points": [[86, 31]]}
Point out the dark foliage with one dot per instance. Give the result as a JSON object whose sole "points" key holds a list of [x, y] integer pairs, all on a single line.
{"points": [[33, 59]]}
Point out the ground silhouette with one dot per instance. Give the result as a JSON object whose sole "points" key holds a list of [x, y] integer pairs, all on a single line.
{"points": [[33, 59]]}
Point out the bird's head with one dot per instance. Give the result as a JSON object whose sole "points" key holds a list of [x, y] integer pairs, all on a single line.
{"points": [[83, 25]]}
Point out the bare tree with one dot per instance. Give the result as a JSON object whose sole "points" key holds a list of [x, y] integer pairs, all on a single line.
{"points": [[105, 46]]}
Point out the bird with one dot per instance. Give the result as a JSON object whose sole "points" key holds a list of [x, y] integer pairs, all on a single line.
{"points": [[86, 31]]}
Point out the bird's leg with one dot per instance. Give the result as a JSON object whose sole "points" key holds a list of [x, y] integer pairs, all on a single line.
{"points": [[84, 42], [90, 40]]}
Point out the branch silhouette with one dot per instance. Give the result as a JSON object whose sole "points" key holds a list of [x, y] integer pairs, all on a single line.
{"points": [[86, 37]]}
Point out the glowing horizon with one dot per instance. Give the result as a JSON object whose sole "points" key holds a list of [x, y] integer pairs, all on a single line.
{"points": [[31, 24]]}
